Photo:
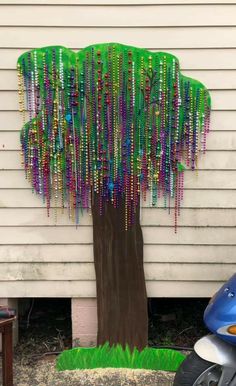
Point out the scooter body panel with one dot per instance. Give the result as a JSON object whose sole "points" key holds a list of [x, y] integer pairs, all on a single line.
{"points": [[220, 313], [215, 350], [220, 348]]}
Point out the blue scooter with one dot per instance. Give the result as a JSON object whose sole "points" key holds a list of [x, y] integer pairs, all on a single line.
{"points": [[213, 361]]}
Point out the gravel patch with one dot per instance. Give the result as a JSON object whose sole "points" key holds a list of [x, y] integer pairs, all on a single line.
{"points": [[43, 373]]}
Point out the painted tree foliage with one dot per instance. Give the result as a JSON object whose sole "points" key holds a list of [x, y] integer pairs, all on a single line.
{"points": [[104, 129]]}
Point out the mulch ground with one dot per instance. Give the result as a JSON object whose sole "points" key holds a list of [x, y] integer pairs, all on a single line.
{"points": [[42, 373], [171, 322]]}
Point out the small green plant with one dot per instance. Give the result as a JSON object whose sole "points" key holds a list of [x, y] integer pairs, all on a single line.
{"points": [[115, 356]]}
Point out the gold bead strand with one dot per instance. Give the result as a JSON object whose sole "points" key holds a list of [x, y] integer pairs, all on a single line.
{"points": [[21, 93], [21, 99]]}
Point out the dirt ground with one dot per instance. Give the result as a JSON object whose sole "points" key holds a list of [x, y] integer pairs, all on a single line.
{"points": [[42, 373]]}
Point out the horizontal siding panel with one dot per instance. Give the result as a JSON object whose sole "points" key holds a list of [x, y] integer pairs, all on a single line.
{"points": [[83, 235], [220, 120], [214, 80], [8, 80], [221, 100], [84, 253], [70, 289], [11, 120], [47, 271], [222, 141], [211, 160], [210, 59], [182, 289], [215, 141], [149, 216], [116, 2], [11, 140], [62, 289], [117, 16], [202, 179], [86, 271], [223, 120], [192, 199], [177, 37]]}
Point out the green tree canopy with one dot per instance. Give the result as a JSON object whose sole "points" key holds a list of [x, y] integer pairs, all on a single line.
{"points": [[112, 119]]}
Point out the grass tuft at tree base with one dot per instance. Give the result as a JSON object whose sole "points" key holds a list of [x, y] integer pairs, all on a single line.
{"points": [[116, 357]]}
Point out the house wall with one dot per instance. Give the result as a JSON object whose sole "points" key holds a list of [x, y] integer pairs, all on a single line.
{"points": [[42, 258]]}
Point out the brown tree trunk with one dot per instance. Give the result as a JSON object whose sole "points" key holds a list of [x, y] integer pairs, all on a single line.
{"points": [[121, 290]]}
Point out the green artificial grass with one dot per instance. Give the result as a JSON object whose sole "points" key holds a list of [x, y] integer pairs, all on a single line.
{"points": [[105, 356]]}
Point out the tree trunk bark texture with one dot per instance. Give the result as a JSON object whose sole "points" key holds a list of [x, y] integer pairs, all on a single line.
{"points": [[120, 281]]}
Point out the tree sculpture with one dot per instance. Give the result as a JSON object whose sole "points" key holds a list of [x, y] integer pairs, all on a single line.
{"points": [[107, 126]]}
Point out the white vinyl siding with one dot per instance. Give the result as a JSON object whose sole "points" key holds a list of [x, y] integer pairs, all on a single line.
{"points": [[41, 257]]}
